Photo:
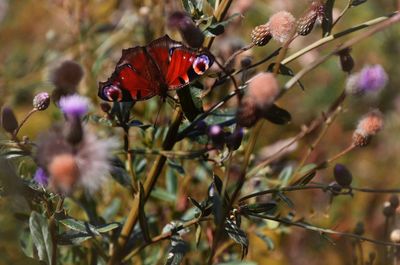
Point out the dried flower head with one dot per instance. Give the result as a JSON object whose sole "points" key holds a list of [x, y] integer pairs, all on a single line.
{"points": [[263, 88], [368, 126], [74, 105], [371, 79], [8, 120], [261, 35], [282, 26], [307, 21], [41, 101], [246, 115]]}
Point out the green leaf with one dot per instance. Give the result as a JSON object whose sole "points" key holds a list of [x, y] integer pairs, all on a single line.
{"points": [[218, 28], [238, 235], [262, 207], [277, 115], [41, 236], [284, 70], [198, 234], [267, 240], [119, 173], [72, 237], [176, 251], [285, 175], [328, 18], [307, 168], [107, 227], [77, 225], [357, 2], [163, 195], [191, 102]]}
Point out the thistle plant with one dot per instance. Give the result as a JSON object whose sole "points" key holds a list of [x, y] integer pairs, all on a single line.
{"points": [[219, 144]]}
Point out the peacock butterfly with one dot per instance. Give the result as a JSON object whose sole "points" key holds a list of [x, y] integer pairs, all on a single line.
{"points": [[162, 65]]}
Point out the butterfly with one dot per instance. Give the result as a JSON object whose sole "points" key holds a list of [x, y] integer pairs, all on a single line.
{"points": [[143, 72]]}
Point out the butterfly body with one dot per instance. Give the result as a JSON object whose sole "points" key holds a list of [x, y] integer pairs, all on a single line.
{"points": [[162, 65]]}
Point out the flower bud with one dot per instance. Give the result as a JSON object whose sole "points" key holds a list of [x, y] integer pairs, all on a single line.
{"points": [[342, 175], [394, 201], [8, 120], [346, 61], [369, 125], [395, 236], [217, 135], [41, 101], [388, 209], [282, 25], [67, 76], [306, 22], [189, 32], [234, 140], [261, 35]]}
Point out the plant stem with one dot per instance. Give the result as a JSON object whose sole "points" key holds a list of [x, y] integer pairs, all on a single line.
{"points": [[15, 133], [324, 230]]}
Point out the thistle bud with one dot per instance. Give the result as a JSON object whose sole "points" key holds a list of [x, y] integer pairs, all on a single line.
{"points": [[346, 61], [67, 76], [261, 35], [189, 32], [8, 120], [234, 140], [368, 126], [388, 209], [41, 101], [306, 22], [217, 135], [342, 175]]}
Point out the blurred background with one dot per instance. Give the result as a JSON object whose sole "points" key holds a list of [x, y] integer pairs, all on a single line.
{"points": [[37, 36]]}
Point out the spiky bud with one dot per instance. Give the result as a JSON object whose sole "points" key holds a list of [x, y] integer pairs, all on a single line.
{"points": [[41, 101], [306, 22], [261, 35]]}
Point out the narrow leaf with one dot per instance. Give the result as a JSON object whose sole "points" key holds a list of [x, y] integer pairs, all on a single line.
{"points": [[41, 236]]}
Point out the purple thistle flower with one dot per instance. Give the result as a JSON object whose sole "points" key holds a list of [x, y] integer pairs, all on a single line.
{"points": [[372, 79], [41, 177], [74, 105]]}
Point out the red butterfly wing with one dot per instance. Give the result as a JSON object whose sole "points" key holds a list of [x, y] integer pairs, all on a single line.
{"points": [[186, 66]]}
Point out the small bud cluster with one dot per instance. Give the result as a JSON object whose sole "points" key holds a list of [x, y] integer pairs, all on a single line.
{"points": [[261, 93], [368, 126]]}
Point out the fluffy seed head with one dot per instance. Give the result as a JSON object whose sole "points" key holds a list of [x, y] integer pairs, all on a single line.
{"points": [[263, 88], [395, 236], [41, 101], [246, 115], [368, 126], [64, 172], [261, 35], [282, 25], [371, 79]]}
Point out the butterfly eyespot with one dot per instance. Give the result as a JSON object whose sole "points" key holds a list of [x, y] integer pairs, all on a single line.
{"points": [[200, 65], [112, 93]]}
